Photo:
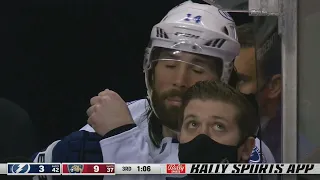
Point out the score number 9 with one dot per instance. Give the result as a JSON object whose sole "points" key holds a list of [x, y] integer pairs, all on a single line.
{"points": [[96, 168]]}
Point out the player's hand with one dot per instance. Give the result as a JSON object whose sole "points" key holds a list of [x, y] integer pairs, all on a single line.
{"points": [[107, 112]]}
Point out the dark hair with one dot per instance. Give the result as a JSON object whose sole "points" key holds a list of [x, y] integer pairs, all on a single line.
{"points": [[245, 33], [247, 117], [154, 128], [269, 61], [268, 52]]}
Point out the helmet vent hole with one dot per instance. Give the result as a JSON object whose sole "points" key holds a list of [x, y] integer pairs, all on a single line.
{"points": [[221, 42], [162, 34], [217, 43], [214, 44], [208, 43], [225, 30]]}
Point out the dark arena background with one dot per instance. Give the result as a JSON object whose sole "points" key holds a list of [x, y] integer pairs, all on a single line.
{"points": [[57, 54]]}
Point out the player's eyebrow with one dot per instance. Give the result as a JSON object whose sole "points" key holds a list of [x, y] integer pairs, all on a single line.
{"points": [[190, 116], [220, 118], [199, 61]]}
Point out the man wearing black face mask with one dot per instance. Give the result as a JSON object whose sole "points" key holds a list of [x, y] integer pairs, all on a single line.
{"points": [[217, 126], [261, 74]]}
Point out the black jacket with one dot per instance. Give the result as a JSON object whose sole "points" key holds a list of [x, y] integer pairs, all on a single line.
{"points": [[17, 136]]}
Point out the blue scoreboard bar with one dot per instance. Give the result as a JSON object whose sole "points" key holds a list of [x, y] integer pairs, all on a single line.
{"points": [[34, 169]]}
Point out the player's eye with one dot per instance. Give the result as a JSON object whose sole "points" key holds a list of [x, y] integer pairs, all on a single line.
{"points": [[219, 127], [170, 66], [193, 125], [198, 70]]}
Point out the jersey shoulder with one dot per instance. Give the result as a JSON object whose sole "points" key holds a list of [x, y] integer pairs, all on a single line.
{"points": [[139, 110]]}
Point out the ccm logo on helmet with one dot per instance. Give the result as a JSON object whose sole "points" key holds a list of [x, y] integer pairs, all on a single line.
{"points": [[225, 15], [186, 35]]}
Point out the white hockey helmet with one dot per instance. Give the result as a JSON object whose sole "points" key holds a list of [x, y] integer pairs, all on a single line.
{"points": [[196, 28]]}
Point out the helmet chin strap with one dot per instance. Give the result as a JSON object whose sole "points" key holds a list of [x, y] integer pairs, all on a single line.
{"points": [[167, 132], [149, 92]]}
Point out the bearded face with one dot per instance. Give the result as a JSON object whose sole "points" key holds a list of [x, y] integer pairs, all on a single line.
{"points": [[167, 106], [174, 72]]}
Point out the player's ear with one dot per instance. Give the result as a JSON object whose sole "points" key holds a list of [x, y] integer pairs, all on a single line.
{"points": [[178, 136], [275, 87], [246, 149]]}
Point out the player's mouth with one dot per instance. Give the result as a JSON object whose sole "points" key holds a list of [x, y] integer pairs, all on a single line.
{"points": [[174, 101]]}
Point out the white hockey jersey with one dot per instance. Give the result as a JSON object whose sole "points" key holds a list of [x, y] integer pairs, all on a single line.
{"points": [[168, 151], [135, 146]]}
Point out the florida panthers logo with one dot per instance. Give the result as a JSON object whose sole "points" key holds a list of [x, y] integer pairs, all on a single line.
{"points": [[75, 168]]}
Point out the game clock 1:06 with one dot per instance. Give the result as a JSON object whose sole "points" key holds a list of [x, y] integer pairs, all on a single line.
{"points": [[144, 168]]}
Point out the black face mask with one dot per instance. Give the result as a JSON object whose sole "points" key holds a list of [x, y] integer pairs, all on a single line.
{"points": [[202, 149]]}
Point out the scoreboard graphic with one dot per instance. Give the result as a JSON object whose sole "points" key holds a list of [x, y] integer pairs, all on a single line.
{"points": [[103, 169], [88, 169], [33, 169]]}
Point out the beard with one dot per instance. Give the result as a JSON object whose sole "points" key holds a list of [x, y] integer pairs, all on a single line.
{"points": [[167, 115]]}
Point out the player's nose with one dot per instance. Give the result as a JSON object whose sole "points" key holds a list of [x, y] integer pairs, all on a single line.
{"points": [[180, 78], [204, 129]]}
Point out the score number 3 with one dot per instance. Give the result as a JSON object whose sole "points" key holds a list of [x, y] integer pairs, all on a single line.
{"points": [[53, 170], [41, 168]]}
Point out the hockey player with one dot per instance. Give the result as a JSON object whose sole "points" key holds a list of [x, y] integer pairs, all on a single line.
{"points": [[193, 42], [185, 48]]}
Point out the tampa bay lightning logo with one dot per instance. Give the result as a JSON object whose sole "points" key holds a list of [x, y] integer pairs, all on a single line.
{"points": [[256, 156], [20, 168], [225, 15]]}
